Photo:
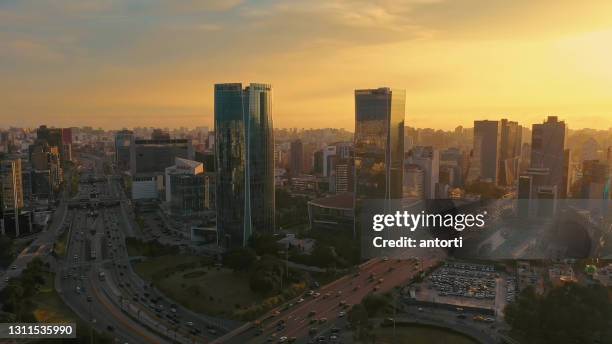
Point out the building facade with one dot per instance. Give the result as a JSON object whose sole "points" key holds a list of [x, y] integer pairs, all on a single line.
{"points": [[244, 146]]}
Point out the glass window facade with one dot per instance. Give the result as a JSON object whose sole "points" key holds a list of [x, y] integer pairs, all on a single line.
{"points": [[245, 161], [379, 143], [378, 146]]}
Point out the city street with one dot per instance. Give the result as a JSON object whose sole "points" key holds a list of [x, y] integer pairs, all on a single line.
{"points": [[311, 316]]}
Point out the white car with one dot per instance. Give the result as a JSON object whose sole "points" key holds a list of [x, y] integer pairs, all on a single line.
{"points": [[341, 314], [300, 300]]}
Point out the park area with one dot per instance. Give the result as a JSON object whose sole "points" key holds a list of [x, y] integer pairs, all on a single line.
{"points": [[200, 286], [420, 334]]}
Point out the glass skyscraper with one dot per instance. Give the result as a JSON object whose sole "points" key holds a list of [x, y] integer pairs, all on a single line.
{"points": [[379, 147], [379, 143], [244, 145]]}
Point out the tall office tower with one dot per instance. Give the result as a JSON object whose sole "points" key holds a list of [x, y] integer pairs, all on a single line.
{"points": [[329, 154], [297, 158], [590, 149], [344, 175], [486, 150], [509, 151], [595, 175], [317, 162], [153, 156], [124, 139], [57, 137], [185, 187], [378, 145], [428, 159], [548, 151], [11, 189], [245, 162], [453, 160]]}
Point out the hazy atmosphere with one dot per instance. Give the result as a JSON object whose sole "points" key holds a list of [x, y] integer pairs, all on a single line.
{"points": [[118, 64]]}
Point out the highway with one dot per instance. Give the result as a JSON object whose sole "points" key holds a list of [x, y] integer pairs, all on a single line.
{"points": [[310, 316], [120, 302], [41, 246]]}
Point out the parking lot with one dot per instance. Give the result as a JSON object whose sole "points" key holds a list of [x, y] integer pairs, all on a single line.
{"points": [[466, 284]]}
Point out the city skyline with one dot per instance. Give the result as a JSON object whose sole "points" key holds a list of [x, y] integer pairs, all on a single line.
{"points": [[112, 65]]}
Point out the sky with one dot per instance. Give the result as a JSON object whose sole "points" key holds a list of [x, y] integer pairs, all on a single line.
{"points": [[127, 63]]}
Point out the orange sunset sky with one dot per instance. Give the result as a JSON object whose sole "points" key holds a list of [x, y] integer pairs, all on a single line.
{"points": [[125, 63]]}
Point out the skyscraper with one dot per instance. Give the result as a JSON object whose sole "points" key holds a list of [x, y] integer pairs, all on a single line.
{"points": [[11, 189], [486, 150], [124, 139], [378, 146], [509, 152], [245, 161], [548, 151], [428, 159], [297, 158]]}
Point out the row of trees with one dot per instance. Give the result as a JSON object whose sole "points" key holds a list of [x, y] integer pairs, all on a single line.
{"points": [[569, 314], [16, 296]]}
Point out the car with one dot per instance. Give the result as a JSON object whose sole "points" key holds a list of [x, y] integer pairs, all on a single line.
{"points": [[300, 300], [322, 320], [14, 267], [282, 339], [341, 314], [316, 294], [190, 323], [6, 279]]}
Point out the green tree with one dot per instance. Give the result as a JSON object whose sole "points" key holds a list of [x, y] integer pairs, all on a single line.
{"points": [[265, 276], [240, 259], [375, 303], [568, 314]]}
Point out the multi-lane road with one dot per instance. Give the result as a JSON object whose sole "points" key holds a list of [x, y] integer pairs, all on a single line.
{"points": [[319, 312], [97, 281]]}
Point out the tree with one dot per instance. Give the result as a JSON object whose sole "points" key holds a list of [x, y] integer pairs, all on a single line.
{"points": [[358, 318], [374, 303], [265, 244], [567, 314], [266, 275], [6, 251], [240, 259]]}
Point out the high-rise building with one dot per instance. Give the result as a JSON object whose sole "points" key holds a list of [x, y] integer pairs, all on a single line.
{"points": [[297, 158], [378, 146], [43, 157], [509, 152], [153, 156], [486, 150], [548, 151], [414, 178], [124, 139], [329, 153], [11, 188], [428, 159], [185, 187], [595, 175], [57, 137], [245, 162], [343, 173]]}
